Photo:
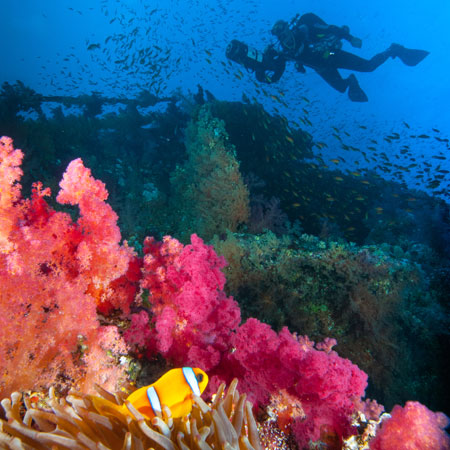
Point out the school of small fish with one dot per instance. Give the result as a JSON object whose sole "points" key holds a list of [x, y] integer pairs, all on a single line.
{"points": [[153, 46]]}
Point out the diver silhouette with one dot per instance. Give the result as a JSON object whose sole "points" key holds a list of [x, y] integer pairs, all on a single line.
{"points": [[309, 41]]}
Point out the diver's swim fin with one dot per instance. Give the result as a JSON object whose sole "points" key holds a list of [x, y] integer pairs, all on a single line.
{"points": [[408, 56], [355, 93]]}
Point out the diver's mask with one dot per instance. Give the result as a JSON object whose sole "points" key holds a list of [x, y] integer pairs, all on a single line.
{"points": [[284, 34]]}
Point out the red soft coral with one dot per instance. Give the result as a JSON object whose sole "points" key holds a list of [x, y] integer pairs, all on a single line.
{"points": [[413, 427]]}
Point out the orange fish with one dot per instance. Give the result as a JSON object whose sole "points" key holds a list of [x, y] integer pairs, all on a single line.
{"points": [[174, 389]]}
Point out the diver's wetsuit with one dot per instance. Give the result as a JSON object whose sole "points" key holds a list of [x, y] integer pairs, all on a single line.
{"points": [[311, 42], [341, 59], [327, 58]]}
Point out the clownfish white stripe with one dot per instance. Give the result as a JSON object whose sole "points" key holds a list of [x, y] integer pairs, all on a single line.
{"points": [[191, 380], [153, 398]]}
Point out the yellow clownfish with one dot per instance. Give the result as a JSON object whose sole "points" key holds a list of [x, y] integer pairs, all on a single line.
{"points": [[174, 389]]}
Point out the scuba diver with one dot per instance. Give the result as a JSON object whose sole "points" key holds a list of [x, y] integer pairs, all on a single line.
{"points": [[309, 41]]}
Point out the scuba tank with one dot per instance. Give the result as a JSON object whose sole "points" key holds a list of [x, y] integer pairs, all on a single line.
{"points": [[326, 46]]}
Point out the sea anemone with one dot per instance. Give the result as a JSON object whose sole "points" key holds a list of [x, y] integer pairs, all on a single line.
{"points": [[73, 422]]}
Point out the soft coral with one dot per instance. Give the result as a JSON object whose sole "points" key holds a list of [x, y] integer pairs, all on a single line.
{"points": [[53, 273], [195, 323], [192, 316], [413, 427], [326, 384]]}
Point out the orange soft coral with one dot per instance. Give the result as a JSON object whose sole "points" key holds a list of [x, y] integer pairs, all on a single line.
{"points": [[10, 173], [53, 272]]}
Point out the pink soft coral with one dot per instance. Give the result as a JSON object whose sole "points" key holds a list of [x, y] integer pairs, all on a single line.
{"points": [[325, 383], [53, 273], [192, 316], [413, 427], [193, 322]]}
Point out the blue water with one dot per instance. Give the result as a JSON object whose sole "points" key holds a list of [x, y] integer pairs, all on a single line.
{"points": [[45, 45]]}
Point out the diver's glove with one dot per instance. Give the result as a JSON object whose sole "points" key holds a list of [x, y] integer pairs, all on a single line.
{"points": [[355, 42]]}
